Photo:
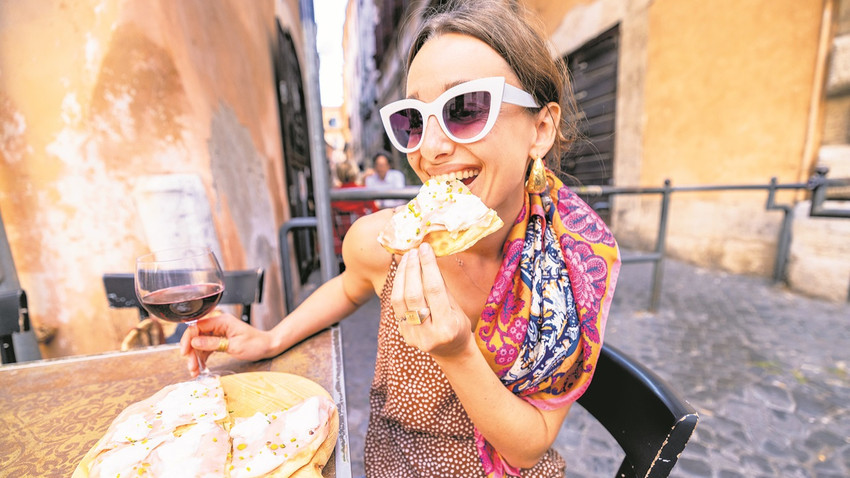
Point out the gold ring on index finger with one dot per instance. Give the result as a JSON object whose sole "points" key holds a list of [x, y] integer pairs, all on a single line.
{"points": [[222, 344], [415, 317]]}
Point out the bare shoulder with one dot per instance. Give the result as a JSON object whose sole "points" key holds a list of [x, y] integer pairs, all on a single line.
{"points": [[361, 251]]}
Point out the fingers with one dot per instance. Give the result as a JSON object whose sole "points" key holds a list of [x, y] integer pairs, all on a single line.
{"points": [[408, 300], [414, 298], [207, 343], [418, 287], [433, 287], [203, 338], [192, 366], [186, 340]]}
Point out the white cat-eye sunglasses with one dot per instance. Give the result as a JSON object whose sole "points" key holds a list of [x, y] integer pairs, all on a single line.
{"points": [[466, 112]]}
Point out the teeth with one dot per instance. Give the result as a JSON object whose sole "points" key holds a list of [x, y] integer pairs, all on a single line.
{"points": [[456, 175]]}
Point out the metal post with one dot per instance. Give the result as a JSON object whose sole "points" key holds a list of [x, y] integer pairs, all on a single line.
{"points": [[818, 184], [285, 264], [784, 244], [660, 246], [319, 163]]}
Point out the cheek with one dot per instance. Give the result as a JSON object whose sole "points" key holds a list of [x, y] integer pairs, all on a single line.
{"points": [[415, 161]]}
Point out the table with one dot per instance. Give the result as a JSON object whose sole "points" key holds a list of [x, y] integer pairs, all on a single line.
{"points": [[54, 411]]}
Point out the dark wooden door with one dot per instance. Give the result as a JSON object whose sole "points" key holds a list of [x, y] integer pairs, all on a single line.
{"points": [[296, 150], [593, 68]]}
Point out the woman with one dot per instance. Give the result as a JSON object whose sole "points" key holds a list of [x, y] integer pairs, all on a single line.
{"points": [[512, 326]]}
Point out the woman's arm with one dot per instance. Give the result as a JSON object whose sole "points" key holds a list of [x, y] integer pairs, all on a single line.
{"points": [[366, 266], [334, 300], [518, 430]]}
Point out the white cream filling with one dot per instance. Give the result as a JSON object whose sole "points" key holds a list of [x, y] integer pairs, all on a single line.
{"points": [[132, 428]]}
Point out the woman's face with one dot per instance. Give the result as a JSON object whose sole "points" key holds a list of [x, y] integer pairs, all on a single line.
{"points": [[498, 161]]}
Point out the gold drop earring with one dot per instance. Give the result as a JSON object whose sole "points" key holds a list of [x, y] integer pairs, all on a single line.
{"points": [[536, 183]]}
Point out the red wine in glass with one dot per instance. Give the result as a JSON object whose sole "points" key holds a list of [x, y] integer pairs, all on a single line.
{"points": [[183, 303], [180, 285]]}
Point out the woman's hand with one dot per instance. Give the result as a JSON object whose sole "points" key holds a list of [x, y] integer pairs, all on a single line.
{"points": [[445, 330], [243, 341]]}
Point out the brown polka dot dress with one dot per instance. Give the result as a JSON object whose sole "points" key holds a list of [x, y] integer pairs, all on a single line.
{"points": [[417, 425]]}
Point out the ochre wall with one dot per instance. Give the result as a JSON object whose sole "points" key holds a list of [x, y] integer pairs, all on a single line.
{"points": [[100, 97], [727, 99]]}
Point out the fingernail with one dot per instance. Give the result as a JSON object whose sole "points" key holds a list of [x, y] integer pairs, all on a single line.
{"points": [[426, 248]]}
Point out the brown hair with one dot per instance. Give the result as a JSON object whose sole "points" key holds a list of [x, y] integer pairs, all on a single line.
{"points": [[508, 28], [348, 172]]}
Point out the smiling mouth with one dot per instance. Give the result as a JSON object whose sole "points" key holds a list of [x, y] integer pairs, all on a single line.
{"points": [[466, 177]]}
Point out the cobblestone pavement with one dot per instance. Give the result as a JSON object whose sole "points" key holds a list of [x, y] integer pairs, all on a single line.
{"points": [[766, 369]]}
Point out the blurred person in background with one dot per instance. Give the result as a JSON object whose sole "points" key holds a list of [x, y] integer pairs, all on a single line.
{"points": [[383, 176]]}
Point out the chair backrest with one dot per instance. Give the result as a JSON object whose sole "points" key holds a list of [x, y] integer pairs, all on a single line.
{"points": [[649, 420], [14, 318], [244, 287], [121, 292]]}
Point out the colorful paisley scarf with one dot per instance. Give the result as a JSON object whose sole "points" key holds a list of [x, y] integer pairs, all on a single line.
{"points": [[542, 327]]}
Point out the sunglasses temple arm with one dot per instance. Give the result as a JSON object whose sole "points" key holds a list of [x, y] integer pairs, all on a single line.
{"points": [[516, 96]]}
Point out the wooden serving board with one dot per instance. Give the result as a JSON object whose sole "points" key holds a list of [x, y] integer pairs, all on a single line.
{"points": [[252, 392]]}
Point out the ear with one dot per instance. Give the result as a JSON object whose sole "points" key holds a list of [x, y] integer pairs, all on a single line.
{"points": [[547, 122]]}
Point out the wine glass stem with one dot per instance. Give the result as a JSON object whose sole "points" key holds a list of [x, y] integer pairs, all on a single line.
{"points": [[204, 371]]}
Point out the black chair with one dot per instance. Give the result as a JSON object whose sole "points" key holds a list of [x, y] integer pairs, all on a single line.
{"points": [[243, 287], [121, 293], [14, 319], [649, 420]]}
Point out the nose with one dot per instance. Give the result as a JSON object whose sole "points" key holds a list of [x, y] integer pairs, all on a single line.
{"points": [[435, 143]]}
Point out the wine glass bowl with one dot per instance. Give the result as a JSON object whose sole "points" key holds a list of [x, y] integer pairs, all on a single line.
{"points": [[179, 285]]}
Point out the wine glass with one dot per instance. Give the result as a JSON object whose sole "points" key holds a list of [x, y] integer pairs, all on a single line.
{"points": [[180, 285]]}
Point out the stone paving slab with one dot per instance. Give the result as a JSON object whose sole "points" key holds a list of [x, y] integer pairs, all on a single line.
{"points": [[766, 369]]}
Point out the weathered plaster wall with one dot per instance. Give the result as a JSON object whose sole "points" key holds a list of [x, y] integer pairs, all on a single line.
{"points": [[712, 93], [585, 20], [819, 262], [727, 100], [98, 98]]}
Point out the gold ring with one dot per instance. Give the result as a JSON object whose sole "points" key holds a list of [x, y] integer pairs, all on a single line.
{"points": [[222, 344], [416, 317]]}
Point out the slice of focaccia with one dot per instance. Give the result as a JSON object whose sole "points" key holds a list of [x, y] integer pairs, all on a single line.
{"points": [[445, 214], [279, 443], [198, 450], [181, 420], [202, 429]]}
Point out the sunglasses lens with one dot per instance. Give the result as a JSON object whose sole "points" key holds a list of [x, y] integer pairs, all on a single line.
{"points": [[406, 126], [465, 115]]}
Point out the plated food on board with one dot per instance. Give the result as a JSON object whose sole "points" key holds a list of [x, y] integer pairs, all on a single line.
{"points": [[244, 425], [445, 214]]}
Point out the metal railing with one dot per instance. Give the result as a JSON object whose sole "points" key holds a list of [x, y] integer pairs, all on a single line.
{"points": [[818, 184]]}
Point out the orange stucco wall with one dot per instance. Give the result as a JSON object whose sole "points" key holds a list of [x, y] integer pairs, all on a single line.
{"points": [[100, 99], [727, 99]]}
